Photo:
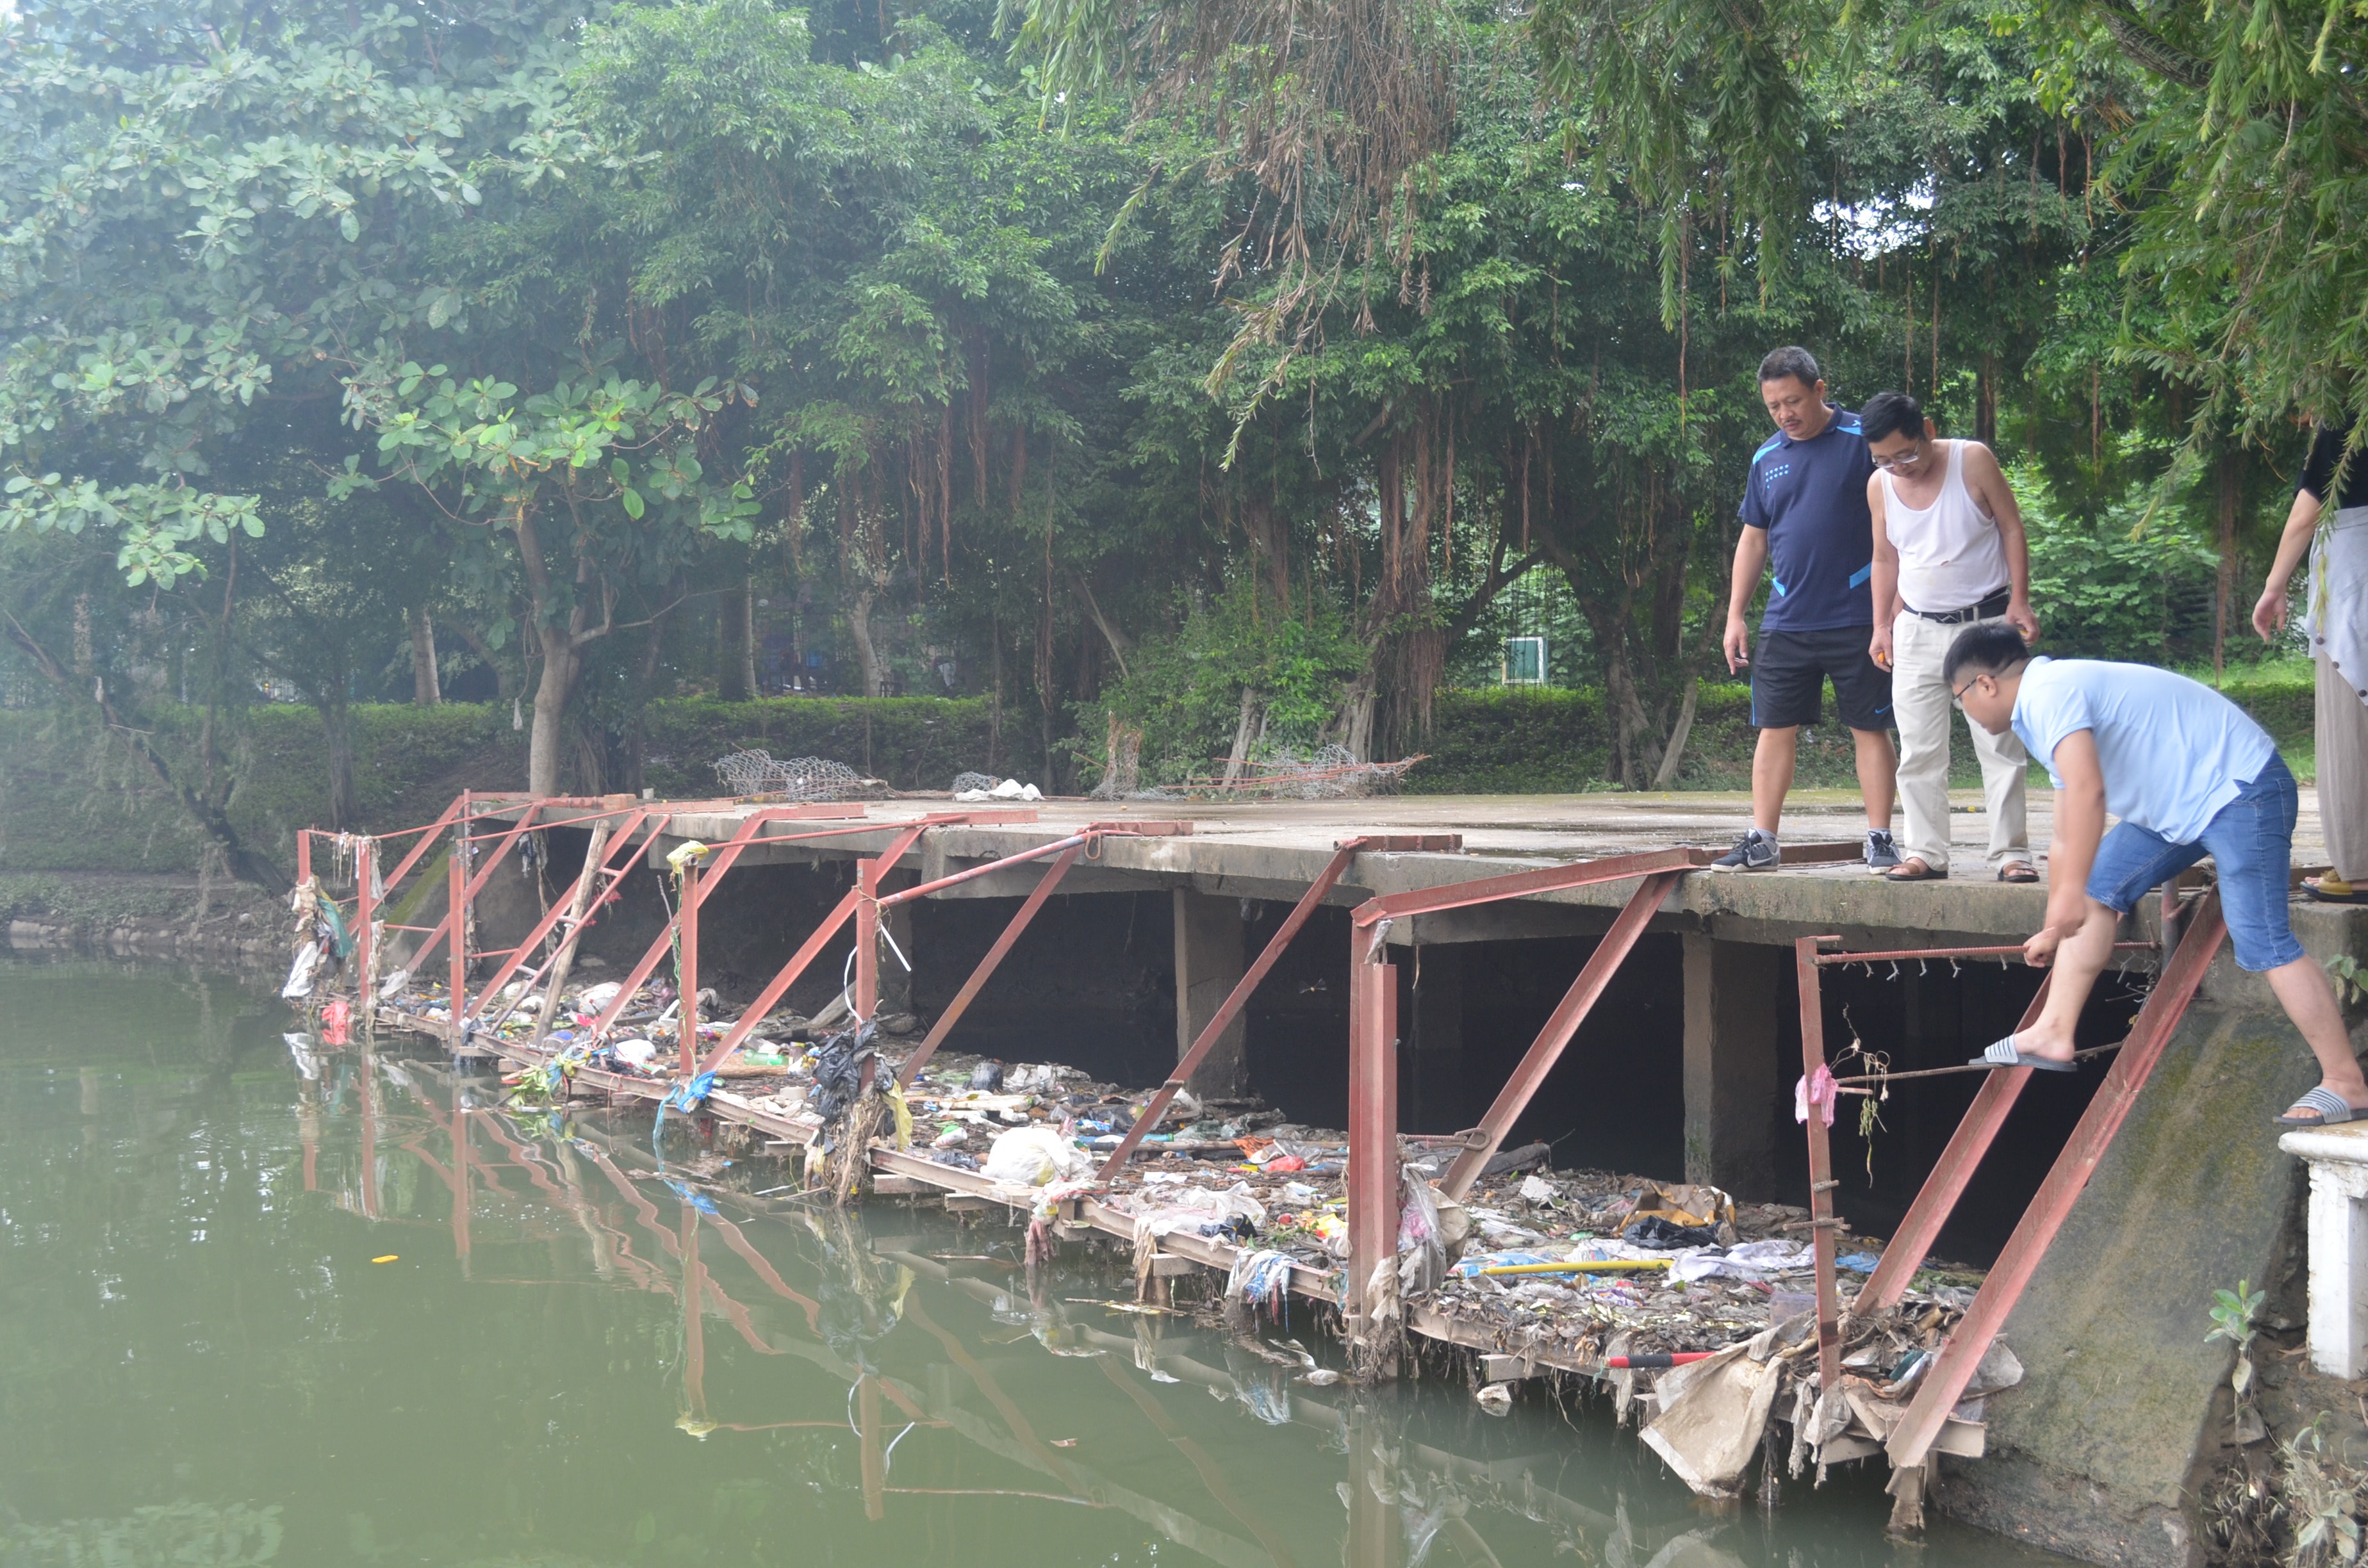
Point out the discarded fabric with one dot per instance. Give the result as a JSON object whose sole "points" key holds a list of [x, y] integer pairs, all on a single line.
{"points": [[1652, 1230], [1820, 1092]]}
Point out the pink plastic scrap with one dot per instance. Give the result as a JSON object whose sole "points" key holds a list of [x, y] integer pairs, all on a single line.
{"points": [[1818, 1091]]}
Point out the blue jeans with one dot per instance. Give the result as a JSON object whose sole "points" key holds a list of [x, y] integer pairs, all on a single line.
{"points": [[2250, 841]]}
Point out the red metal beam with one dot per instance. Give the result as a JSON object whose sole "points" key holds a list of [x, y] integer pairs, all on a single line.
{"points": [[728, 852], [456, 900], [1233, 1004], [906, 895], [1937, 1197], [618, 843], [1584, 993], [2166, 1005], [1822, 1222], [1578, 874], [1372, 1178], [1902, 955], [687, 1001], [986, 968]]}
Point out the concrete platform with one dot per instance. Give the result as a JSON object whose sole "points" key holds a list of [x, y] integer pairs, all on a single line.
{"points": [[1273, 849]]}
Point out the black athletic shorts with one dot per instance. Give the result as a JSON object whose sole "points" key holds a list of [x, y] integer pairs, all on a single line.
{"points": [[1788, 679]]}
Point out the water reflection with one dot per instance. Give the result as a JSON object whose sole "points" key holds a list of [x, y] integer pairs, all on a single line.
{"points": [[577, 1355]]}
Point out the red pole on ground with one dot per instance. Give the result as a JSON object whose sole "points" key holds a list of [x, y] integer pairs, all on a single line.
{"points": [[1235, 1001], [1576, 1003], [1372, 1181], [1821, 1170], [1937, 1197], [1911, 1440], [986, 968], [688, 919], [456, 917]]}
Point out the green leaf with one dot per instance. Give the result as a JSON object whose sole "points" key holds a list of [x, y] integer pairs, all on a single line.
{"points": [[634, 503], [350, 226]]}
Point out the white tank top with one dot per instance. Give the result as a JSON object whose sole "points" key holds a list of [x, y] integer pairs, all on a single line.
{"points": [[1951, 556]]}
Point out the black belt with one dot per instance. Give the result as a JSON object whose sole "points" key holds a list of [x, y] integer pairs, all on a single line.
{"points": [[1988, 609]]}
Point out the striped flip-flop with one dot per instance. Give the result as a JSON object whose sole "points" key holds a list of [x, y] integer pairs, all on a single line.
{"points": [[2004, 1054], [2332, 1109]]}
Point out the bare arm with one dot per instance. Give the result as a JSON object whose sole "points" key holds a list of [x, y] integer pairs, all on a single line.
{"points": [[2079, 828], [1750, 560], [1994, 495], [2302, 521], [1885, 582]]}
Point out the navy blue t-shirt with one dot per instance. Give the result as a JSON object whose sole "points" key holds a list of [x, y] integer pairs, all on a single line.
{"points": [[1811, 497]]}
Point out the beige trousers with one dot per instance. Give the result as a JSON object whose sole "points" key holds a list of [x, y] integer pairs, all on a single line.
{"points": [[1920, 706], [2342, 736]]}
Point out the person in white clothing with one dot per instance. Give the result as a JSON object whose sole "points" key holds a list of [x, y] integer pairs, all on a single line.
{"points": [[1949, 553], [2335, 616]]}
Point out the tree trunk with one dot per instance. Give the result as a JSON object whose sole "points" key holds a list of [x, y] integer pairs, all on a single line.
{"points": [[426, 691], [858, 627], [736, 670], [560, 660], [1675, 751], [1246, 728], [337, 737]]}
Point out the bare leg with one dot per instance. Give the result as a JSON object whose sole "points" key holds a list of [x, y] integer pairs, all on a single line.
{"points": [[1878, 774], [1772, 776], [2079, 959], [2310, 1002]]}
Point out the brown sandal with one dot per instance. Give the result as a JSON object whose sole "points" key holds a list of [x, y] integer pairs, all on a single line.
{"points": [[1922, 872]]}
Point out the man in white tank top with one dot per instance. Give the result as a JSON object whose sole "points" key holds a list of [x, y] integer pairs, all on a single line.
{"points": [[1949, 553]]}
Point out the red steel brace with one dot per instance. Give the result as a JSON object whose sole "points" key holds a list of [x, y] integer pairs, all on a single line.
{"points": [[2166, 1005]]}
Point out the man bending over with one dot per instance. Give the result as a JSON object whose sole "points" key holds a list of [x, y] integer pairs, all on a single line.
{"points": [[2189, 774]]}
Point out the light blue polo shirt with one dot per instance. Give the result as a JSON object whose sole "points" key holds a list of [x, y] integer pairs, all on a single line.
{"points": [[2173, 750]]}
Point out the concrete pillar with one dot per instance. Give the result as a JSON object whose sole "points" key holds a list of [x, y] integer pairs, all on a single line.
{"points": [[2338, 1248], [1208, 965], [1733, 1076], [1436, 1084]]}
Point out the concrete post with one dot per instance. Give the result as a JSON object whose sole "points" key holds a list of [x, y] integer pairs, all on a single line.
{"points": [[1733, 1067], [1208, 967], [2338, 1248]]}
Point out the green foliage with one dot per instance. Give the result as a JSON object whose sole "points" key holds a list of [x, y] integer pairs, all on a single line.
{"points": [[1184, 691], [2111, 584], [2232, 1314]]}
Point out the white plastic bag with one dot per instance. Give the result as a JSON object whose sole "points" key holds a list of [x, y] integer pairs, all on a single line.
{"points": [[1034, 1156]]}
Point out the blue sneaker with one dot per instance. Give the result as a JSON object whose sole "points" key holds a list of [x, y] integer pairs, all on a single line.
{"points": [[1881, 854], [1755, 851]]}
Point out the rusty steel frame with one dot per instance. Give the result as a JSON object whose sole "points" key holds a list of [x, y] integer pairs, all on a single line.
{"points": [[724, 855], [636, 819], [1561, 1027], [1373, 1019], [1822, 1220], [2166, 1005], [1343, 855], [986, 967]]}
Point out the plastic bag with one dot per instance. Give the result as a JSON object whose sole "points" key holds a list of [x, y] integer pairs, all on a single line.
{"points": [[1422, 1253], [1034, 1156]]}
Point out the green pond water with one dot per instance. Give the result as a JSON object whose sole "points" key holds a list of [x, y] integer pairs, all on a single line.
{"points": [[203, 1362]]}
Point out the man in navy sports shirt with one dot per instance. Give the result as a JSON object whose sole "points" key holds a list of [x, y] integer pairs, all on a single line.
{"points": [[1804, 514]]}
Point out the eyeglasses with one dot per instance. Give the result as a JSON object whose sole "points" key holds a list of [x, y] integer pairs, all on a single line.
{"points": [[1959, 695], [1898, 460]]}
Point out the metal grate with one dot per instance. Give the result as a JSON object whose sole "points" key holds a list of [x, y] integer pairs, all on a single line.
{"points": [[754, 773]]}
